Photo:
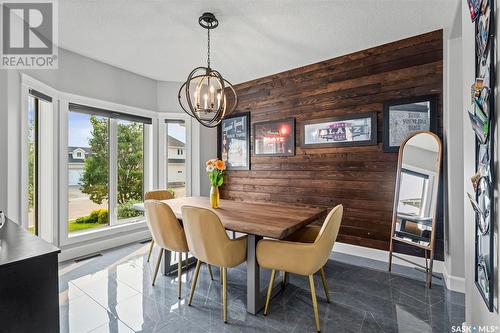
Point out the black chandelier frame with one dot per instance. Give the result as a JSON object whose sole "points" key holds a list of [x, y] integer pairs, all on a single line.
{"points": [[207, 21]]}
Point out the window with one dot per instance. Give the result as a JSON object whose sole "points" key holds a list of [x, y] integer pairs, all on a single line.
{"points": [[104, 186], [38, 104], [33, 114], [176, 162], [130, 164], [88, 180]]}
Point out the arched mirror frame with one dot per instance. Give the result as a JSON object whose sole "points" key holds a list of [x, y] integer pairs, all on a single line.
{"points": [[428, 249]]}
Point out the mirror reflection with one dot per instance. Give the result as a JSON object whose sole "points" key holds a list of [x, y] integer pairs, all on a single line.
{"points": [[417, 189]]}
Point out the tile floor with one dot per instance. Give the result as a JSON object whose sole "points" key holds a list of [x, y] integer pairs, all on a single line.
{"points": [[113, 293]]}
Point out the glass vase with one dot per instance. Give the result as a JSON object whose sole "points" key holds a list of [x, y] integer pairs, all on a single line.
{"points": [[214, 197]]}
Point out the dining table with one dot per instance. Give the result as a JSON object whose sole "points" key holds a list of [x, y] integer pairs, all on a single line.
{"points": [[257, 221]]}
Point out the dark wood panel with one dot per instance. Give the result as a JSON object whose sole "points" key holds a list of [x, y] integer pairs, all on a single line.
{"points": [[361, 178]]}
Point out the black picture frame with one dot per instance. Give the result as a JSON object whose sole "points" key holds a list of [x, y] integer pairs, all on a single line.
{"points": [[291, 139], [373, 134], [386, 129], [245, 118]]}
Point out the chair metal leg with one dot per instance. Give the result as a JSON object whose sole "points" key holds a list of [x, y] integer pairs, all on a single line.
{"points": [[315, 302], [325, 285], [220, 271], [193, 283], [224, 292], [157, 266], [210, 271], [283, 282], [179, 273], [269, 291], [150, 249]]}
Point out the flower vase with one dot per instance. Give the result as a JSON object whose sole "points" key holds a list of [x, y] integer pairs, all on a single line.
{"points": [[214, 197]]}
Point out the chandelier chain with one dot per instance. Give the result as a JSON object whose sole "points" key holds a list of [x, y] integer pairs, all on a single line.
{"points": [[208, 48]]}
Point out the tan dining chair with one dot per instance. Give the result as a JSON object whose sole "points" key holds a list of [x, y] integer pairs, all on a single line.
{"points": [[210, 244], [167, 233], [156, 195], [306, 234], [302, 257]]}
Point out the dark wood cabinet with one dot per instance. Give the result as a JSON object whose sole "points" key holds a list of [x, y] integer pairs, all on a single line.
{"points": [[29, 287]]}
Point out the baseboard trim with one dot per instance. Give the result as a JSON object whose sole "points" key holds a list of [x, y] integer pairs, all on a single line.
{"points": [[382, 255], [453, 282], [79, 250]]}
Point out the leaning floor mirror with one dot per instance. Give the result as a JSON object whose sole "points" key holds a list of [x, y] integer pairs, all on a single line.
{"points": [[416, 196]]}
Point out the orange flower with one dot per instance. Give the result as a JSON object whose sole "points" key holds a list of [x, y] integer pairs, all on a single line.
{"points": [[220, 165]]}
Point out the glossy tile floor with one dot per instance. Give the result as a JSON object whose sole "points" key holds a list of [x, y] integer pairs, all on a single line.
{"points": [[113, 293]]}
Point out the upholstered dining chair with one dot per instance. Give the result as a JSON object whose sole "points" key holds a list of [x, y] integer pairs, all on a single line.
{"points": [[156, 195], [210, 244], [167, 233], [298, 255]]}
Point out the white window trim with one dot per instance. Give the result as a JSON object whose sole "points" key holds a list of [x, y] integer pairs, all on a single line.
{"points": [[51, 233], [192, 138]]}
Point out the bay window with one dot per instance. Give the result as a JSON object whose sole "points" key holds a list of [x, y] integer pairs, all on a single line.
{"points": [[87, 162]]}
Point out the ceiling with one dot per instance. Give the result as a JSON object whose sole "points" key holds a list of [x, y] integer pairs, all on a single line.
{"points": [[161, 39]]}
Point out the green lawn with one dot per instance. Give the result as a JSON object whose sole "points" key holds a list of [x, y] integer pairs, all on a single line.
{"points": [[72, 226]]}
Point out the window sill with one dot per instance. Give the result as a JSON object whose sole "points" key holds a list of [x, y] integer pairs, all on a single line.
{"points": [[94, 234]]}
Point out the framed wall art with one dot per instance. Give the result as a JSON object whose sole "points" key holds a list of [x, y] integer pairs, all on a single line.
{"points": [[274, 138], [482, 116], [233, 141], [348, 130], [405, 117]]}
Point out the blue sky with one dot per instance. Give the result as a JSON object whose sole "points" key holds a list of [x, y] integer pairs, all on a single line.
{"points": [[79, 130]]}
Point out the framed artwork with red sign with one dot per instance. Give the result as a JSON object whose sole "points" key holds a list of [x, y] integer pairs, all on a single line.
{"points": [[348, 130], [274, 138]]}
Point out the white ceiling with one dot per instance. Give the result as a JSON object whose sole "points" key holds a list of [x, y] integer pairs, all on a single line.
{"points": [[161, 39]]}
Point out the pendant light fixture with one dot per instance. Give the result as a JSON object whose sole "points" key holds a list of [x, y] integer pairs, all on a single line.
{"points": [[206, 95]]}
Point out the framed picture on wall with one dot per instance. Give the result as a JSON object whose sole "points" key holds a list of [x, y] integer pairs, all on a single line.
{"points": [[406, 116], [349, 130], [234, 141], [274, 138]]}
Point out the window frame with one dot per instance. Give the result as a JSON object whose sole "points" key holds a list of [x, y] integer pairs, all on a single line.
{"points": [[192, 136], [47, 226], [114, 228], [36, 192]]}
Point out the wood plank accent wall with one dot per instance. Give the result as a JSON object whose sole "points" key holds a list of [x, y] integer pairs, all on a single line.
{"points": [[361, 178]]}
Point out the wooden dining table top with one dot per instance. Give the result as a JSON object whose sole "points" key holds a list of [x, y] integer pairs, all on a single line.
{"points": [[260, 219]]}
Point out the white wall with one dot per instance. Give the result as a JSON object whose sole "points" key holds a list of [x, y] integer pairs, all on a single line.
{"points": [[476, 310], [84, 76], [168, 102], [453, 167], [13, 138]]}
